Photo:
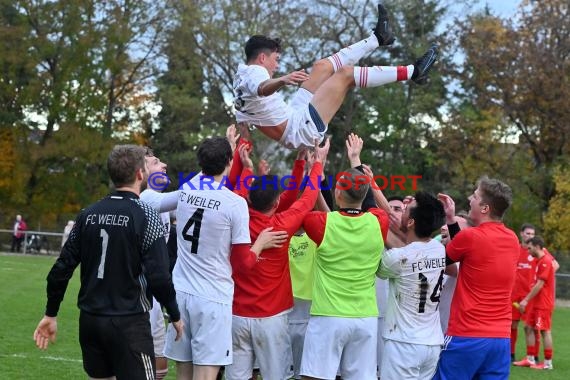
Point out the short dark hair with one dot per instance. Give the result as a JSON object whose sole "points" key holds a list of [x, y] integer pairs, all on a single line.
{"points": [[264, 192], [537, 240], [356, 191], [148, 151], [527, 225], [258, 44], [395, 198], [498, 195], [123, 163], [214, 154], [428, 214]]}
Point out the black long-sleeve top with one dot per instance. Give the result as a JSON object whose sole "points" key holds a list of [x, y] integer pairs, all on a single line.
{"points": [[120, 245]]}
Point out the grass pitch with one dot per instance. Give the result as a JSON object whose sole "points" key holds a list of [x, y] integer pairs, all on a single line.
{"points": [[23, 297]]}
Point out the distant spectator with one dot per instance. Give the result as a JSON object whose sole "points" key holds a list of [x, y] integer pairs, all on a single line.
{"points": [[67, 231], [18, 234]]}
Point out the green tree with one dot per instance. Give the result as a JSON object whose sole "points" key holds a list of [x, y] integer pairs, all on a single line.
{"points": [[510, 120], [557, 219]]}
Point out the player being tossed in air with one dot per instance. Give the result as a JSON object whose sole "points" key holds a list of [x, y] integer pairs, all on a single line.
{"points": [[306, 117]]}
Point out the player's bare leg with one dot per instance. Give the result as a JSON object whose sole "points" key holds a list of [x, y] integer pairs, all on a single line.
{"points": [[184, 370], [205, 372]]}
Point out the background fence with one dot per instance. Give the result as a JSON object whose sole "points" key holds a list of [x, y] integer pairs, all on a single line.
{"points": [[35, 242], [49, 243]]}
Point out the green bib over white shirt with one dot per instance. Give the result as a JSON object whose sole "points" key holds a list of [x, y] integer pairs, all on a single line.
{"points": [[346, 265]]}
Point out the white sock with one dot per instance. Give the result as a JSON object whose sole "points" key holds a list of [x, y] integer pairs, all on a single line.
{"points": [[530, 358], [351, 55], [378, 75]]}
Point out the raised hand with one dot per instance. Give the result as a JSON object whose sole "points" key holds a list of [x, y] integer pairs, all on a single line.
{"points": [[243, 130], [353, 148], [322, 152], [244, 156], [263, 168], [233, 136], [448, 207]]}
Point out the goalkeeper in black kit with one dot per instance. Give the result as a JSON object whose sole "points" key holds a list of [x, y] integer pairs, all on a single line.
{"points": [[120, 245]]}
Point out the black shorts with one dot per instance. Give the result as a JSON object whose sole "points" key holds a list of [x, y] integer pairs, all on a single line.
{"points": [[117, 346]]}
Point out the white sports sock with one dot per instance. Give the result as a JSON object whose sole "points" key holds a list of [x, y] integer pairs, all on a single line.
{"points": [[378, 75], [351, 55]]}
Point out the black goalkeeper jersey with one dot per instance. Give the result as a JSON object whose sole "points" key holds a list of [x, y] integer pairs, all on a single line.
{"points": [[120, 245]]}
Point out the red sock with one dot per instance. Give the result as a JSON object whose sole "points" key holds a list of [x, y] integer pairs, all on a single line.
{"points": [[514, 334], [531, 350], [547, 353], [536, 343]]}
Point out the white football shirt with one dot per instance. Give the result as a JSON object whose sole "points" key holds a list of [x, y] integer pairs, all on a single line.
{"points": [[162, 203], [209, 221], [415, 273], [449, 283], [264, 111]]}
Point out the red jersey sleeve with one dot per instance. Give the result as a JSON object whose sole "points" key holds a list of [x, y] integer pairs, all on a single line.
{"points": [[245, 179], [459, 245], [237, 165], [242, 258], [544, 269], [288, 197], [314, 225], [383, 219], [292, 219]]}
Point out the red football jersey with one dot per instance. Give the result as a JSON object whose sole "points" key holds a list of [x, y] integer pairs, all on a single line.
{"points": [[481, 305], [525, 275], [544, 300]]}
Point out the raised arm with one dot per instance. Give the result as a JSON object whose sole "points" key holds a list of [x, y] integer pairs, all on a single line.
{"points": [[246, 173], [292, 218], [288, 197], [379, 197]]}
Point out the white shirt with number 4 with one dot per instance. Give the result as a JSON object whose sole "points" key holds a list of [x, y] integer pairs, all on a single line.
{"points": [[415, 274], [209, 221]]}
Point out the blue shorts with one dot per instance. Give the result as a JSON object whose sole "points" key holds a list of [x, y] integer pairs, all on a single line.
{"points": [[474, 358]]}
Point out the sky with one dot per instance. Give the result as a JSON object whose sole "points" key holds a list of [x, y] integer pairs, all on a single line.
{"points": [[502, 7]]}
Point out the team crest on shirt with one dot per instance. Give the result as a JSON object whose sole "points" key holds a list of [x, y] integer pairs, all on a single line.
{"points": [[530, 258]]}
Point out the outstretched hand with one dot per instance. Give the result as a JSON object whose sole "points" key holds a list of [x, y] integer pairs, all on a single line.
{"points": [[45, 332], [295, 77], [322, 152], [269, 239]]}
